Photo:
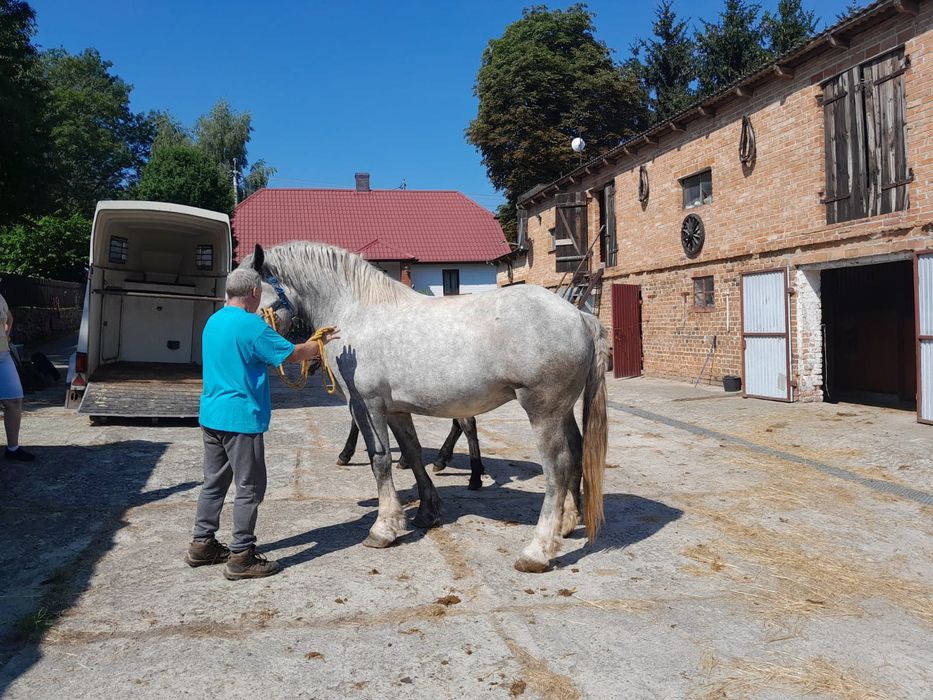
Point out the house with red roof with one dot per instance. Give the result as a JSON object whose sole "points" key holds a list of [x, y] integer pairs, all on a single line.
{"points": [[439, 242]]}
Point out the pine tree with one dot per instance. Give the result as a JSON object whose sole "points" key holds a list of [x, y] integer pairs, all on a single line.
{"points": [[792, 25], [850, 10], [668, 69], [730, 48]]}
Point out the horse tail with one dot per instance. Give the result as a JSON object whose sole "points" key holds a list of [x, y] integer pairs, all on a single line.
{"points": [[595, 429]]}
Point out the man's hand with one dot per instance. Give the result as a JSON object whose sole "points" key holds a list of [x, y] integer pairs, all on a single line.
{"points": [[310, 350]]}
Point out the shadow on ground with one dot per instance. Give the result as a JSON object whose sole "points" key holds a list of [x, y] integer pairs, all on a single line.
{"points": [[629, 518], [59, 518]]}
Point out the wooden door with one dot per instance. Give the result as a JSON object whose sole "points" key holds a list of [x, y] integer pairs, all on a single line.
{"points": [[626, 330]]}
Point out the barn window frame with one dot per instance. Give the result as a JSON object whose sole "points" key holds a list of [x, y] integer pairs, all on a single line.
{"points": [[450, 280], [119, 250], [704, 293], [697, 189]]}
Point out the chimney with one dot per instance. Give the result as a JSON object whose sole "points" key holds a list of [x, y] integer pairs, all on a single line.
{"points": [[362, 182]]}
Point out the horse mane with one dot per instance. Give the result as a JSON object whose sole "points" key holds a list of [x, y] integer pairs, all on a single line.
{"points": [[319, 264]]}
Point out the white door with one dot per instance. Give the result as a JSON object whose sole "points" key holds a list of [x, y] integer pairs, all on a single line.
{"points": [[923, 266], [765, 341], [156, 330]]}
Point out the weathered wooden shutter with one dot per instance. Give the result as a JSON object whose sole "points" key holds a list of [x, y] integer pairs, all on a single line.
{"points": [[844, 134], [610, 208], [886, 133], [571, 230], [521, 238]]}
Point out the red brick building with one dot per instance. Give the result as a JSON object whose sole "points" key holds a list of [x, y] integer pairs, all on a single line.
{"points": [[771, 231]]}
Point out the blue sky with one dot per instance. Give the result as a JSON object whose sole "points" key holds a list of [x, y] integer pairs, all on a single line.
{"points": [[333, 87]]}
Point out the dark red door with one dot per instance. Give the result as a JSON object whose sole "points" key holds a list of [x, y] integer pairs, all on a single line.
{"points": [[626, 330]]}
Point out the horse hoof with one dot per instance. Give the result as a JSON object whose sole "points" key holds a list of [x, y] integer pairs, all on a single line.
{"points": [[424, 522], [341, 462], [438, 468], [402, 465], [475, 484], [377, 542], [530, 566]]}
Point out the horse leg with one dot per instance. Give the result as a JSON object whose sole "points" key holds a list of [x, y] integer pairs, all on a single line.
{"points": [[429, 506], [346, 454], [573, 505], [442, 461], [371, 421], [476, 461], [557, 462]]}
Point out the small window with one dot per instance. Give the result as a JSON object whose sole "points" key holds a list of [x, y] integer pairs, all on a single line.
{"points": [[451, 282], [698, 189], [118, 249], [703, 294], [204, 258]]}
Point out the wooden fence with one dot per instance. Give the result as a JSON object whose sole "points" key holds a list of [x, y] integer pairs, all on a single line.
{"points": [[20, 291]]}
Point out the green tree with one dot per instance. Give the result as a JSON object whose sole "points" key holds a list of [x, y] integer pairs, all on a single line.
{"points": [[730, 48], [544, 81], [792, 25], [258, 177], [50, 246], [99, 143], [185, 175], [169, 131], [668, 68], [23, 127]]}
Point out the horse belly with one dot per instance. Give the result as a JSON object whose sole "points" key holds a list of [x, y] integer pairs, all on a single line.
{"points": [[444, 403]]}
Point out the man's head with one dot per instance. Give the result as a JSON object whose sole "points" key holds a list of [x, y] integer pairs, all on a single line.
{"points": [[244, 288]]}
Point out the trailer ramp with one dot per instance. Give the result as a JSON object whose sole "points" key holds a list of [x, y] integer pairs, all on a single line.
{"points": [[143, 390]]}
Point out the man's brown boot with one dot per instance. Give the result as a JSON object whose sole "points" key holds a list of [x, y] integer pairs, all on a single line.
{"points": [[207, 552], [248, 564]]}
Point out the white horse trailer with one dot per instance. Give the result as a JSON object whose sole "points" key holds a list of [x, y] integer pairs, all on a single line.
{"points": [[157, 272]]}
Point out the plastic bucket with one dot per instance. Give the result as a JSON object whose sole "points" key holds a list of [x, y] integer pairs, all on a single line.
{"points": [[732, 383]]}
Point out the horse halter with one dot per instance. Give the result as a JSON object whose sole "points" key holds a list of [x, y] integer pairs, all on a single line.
{"points": [[282, 302]]}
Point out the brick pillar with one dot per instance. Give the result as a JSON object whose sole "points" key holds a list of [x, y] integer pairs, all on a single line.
{"points": [[406, 275]]}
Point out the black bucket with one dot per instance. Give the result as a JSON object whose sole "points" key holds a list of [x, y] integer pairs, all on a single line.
{"points": [[732, 383]]}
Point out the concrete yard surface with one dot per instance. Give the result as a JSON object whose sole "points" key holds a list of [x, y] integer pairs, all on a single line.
{"points": [[752, 549]]}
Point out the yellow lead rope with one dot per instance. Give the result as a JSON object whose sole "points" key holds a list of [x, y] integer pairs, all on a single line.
{"points": [[268, 315]]}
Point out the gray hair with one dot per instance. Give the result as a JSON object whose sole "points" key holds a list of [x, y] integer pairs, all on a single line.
{"points": [[242, 281]]}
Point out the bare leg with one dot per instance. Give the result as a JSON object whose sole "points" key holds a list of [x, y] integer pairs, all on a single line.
{"points": [[442, 461], [346, 454], [12, 417], [391, 518], [429, 507], [476, 461]]}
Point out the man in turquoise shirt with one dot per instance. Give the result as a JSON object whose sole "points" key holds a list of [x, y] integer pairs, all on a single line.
{"points": [[237, 347]]}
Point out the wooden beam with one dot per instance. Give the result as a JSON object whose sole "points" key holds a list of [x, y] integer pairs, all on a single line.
{"points": [[741, 91], [652, 140], [626, 151], [677, 126], [837, 41], [906, 7], [783, 72], [706, 111]]}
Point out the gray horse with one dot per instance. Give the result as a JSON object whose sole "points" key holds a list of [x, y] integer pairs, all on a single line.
{"points": [[402, 353]]}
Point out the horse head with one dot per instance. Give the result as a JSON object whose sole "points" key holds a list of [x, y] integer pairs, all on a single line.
{"points": [[275, 295]]}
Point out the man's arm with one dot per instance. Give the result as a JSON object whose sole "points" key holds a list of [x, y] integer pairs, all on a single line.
{"points": [[310, 350]]}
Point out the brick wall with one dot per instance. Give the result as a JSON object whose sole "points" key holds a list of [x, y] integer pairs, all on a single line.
{"points": [[768, 216]]}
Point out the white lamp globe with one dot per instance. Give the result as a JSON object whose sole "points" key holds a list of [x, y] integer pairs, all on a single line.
{"points": [[578, 145]]}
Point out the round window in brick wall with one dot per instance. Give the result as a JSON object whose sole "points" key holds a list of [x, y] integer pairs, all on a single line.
{"points": [[692, 235]]}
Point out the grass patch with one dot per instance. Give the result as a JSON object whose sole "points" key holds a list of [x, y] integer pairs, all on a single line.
{"points": [[32, 626]]}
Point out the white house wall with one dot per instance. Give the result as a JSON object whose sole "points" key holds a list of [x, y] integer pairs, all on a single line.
{"points": [[474, 278]]}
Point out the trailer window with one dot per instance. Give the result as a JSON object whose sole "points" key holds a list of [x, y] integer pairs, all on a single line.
{"points": [[118, 249], [204, 258]]}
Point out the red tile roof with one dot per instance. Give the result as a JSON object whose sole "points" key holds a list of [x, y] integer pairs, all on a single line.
{"points": [[427, 226]]}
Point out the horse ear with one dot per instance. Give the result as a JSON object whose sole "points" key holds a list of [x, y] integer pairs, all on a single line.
{"points": [[259, 258]]}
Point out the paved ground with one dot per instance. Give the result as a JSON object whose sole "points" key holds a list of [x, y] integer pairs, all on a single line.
{"points": [[752, 549]]}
